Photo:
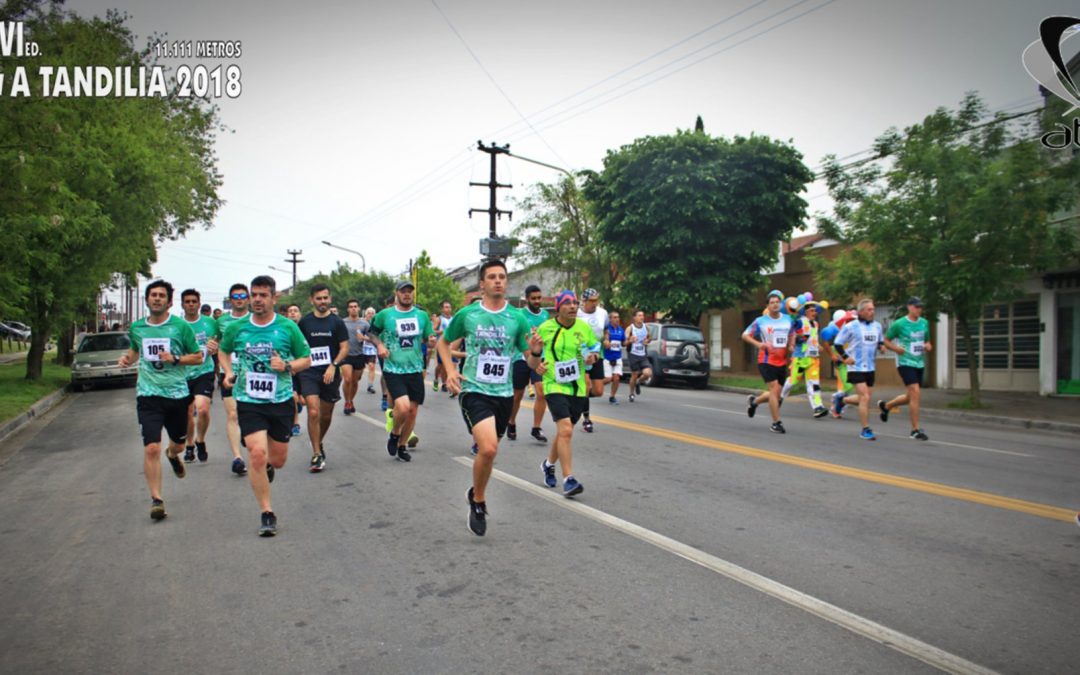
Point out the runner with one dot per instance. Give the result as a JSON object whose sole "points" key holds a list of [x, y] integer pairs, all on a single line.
{"points": [[269, 350], [205, 311], [367, 348], [614, 337], [165, 347], [238, 298], [493, 331], [523, 375], [637, 336], [907, 337], [399, 332], [805, 360], [858, 344], [566, 339], [200, 378], [597, 317], [353, 368], [294, 313], [320, 385], [770, 333], [828, 337], [440, 327]]}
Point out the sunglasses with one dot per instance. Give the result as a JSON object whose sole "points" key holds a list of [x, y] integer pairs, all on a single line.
{"points": [[239, 296]]}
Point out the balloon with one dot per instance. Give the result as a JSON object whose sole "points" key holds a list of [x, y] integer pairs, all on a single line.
{"points": [[838, 314], [825, 305], [810, 296], [792, 305]]}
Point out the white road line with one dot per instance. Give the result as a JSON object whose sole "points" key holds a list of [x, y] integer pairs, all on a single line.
{"points": [[931, 442], [929, 654]]}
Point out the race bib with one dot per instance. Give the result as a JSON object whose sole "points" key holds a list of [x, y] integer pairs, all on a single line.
{"points": [[234, 358], [492, 368], [320, 356], [408, 327], [566, 371], [368, 348], [615, 345], [637, 349], [205, 353], [779, 340], [262, 386], [916, 348], [153, 347], [812, 351], [870, 337]]}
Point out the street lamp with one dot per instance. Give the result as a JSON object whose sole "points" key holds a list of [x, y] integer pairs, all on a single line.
{"points": [[363, 262]]}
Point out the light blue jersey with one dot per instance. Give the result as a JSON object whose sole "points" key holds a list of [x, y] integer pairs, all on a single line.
{"points": [[860, 340]]}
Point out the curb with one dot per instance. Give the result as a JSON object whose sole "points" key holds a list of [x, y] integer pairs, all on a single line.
{"points": [[938, 413], [43, 406]]}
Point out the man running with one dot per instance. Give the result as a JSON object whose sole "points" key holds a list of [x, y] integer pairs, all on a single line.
{"points": [[200, 378], [439, 328], [614, 338], [770, 334], [238, 298], [294, 313], [353, 368], [398, 332], [907, 336], [828, 337], [858, 344], [806, 358], [269, 350], [637, 337], [367, 349], [597, 317], [493, 332], [320, 384], [566, 339], [523, 374], [165, 348]]}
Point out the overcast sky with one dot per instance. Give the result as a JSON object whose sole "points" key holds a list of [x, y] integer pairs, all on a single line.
{"points": [[358, 121]]}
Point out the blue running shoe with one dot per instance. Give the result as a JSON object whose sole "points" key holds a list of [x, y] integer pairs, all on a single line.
{"points": [[238, 467], [475, 449], [867, 435], [838, 404], [384, 405], [571, 487], [549, 474], [296, 430]]}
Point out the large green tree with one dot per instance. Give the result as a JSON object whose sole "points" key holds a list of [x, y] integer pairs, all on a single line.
{"points": [[433, 286], [956, 209], [371, 288], [90, 185], [695, 219]]}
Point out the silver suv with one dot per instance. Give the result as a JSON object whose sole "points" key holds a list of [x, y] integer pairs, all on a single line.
{"points": [[677, 351]]}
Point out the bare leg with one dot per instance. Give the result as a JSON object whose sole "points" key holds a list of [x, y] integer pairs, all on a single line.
{"points": [[487, 443]]}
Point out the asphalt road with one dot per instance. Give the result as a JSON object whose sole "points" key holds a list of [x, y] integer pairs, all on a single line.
{"points": [[702, 543]]}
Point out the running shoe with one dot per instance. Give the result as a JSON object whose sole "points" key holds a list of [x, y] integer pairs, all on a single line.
{"points": [[270, 472], [177, 465], [200, 450], [777, 427], [403, 455], [511, 432], [884, 411], [317, 463], [349, 408], [475, 450], [435, 385], [612, 400], [268, 528], [571, 487], [414, 440], [384, 405], [751, 406], [820, 411], [238, 467], [296, 430], [631, 398], [919, 435], [532, 392], [587, 425], [477, 515], [370, 389], [838, 404], [549, 474], [443, 389], [389, 420], [189, 454], [157, 509], [867, 435], [391, 445], [299, 407], [538, 434]]}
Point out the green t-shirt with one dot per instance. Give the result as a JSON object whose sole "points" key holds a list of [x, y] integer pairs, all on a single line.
{"points": [[403, 333], [254, 346], [492, 341], [912, 336], [223, 322], [534, 321], [205, 329], [148, 340], [563, 356]]}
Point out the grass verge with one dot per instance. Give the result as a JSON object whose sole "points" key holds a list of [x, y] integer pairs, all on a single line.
{"points": [[17, 394]]}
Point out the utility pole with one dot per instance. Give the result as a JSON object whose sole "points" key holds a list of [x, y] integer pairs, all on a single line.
{"points": [[295, 261], [493, 246]]}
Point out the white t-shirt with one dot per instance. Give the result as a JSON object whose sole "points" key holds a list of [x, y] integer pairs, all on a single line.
{"points": [[598, 321]]}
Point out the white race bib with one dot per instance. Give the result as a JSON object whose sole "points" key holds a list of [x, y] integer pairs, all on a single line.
{"points": [[408, 327], [870, 337], [812, 351], [320, 356], [916, 348], [566, 371], [779, 340], [637, 349], [262, 386], [234, 358], [615, 345], [368, 348], [152, 348], [492, 368]]}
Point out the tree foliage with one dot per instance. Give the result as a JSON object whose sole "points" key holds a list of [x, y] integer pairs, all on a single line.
{"points": [[370, 288], [695, 219], [955, 210], [433, 286]]}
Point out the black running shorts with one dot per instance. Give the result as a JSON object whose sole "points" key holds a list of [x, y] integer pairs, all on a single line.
{"points": [[910, 375], [856, 377], [357, 361], [275, 419], [563, 406], [311, 384], [771, 373], [522, 373], [408, 384], [226, 392], [639, 363], [157, 412], [202, 385], [596, 372], [475, 408]]}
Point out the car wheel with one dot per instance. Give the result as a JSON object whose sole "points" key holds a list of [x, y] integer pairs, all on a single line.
{"points": [[76, 387], [701, 383]]}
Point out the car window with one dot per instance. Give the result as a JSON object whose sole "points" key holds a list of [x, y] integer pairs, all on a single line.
{"points": [[103, 343], [683, 334]]}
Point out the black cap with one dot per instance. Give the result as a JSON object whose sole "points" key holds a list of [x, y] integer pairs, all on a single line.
{"points": [[405, 283], [915, 300]]}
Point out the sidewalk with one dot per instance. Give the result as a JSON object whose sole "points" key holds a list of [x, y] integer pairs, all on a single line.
{"points": [[1006, 408]]}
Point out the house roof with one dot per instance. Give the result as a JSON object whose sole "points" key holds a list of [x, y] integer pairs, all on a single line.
{"points": [[798, 243]]}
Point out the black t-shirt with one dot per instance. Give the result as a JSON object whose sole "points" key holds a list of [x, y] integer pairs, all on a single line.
{"points": [[325, 337]]}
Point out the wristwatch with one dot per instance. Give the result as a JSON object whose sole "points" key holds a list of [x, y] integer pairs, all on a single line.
{"points": [[288, 367], [175, 359]]}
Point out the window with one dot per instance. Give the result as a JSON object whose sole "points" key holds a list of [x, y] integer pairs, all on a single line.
{"points": [[1006, 336]]}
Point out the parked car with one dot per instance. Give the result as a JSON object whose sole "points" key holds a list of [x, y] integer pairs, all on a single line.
{"points": [[15, 330], [677, 351], [96, 361]]}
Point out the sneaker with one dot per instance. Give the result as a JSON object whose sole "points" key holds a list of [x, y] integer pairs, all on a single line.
{"points": [[403, 455], [777, 427], [317, 463], [349, 408], [384, 405], [474, 450], [296, 430], [820, 411], [631, 398], [392, 445], [884, 411], [414, 440], [838, 404], [200, 451], [571, 487], [511, 432], [477, 515], [389, 420], [238, 467], [549, 474], [177, 465], [269, 524], [157, 509], [919, 435], [370, 389], [587, 425], [270, 472], [867, 435], [435, 385], [532, 392], [612, 401], [443, 389], [189, 454], [538, 434], [751, 406]]}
